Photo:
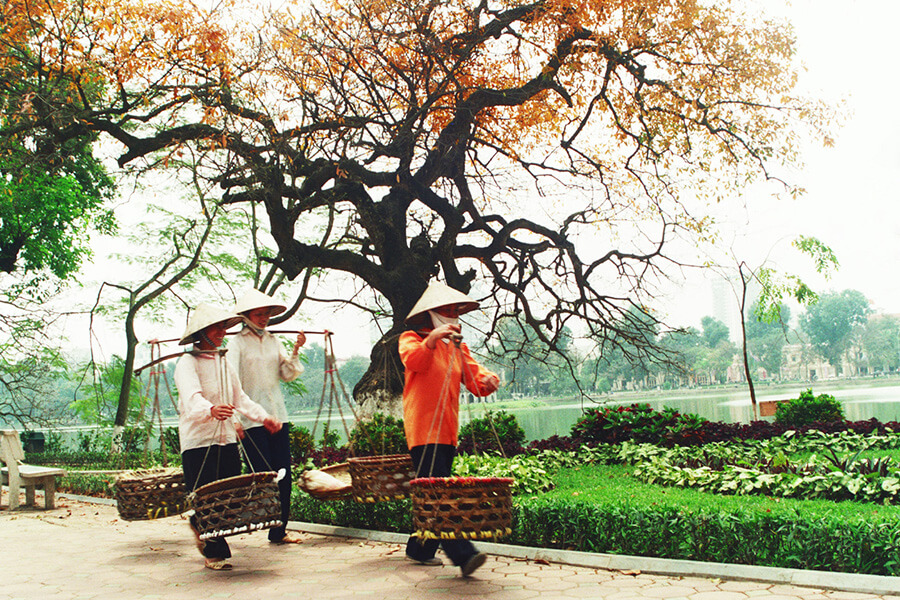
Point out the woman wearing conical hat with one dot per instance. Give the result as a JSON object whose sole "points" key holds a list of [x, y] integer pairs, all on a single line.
{"points": [[433, 374], [261, 366], [209, 397]]}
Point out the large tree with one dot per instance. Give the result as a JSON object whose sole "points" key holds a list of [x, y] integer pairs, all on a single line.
{"points": [[535, 154], [52, 187], [833, 322], [714, 331], [766, 340], [53, 196], [880, 341]]}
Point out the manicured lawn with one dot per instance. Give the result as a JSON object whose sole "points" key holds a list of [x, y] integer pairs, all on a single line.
{"points": [[613, 484]]}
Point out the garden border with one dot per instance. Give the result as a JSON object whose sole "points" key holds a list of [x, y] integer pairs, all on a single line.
{"points": [[831, 580]]}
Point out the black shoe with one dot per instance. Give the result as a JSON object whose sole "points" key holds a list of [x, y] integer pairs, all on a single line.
{"points": [[473, 563], [434, 561]]}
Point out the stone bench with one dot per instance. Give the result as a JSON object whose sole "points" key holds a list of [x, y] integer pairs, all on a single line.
{"points": [[17, 475]]}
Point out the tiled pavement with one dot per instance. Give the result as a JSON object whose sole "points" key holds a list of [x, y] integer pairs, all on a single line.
{"points": [[83, 550]]}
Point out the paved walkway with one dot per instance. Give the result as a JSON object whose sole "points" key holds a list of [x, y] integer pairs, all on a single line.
{"points": [[83, 550]]}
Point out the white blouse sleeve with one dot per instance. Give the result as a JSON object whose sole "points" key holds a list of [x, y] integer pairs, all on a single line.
{"points": [[290, 369], [192, 405]]}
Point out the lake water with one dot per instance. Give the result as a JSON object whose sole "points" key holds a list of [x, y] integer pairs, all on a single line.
{"points": [[861, 399], [730, 406]]}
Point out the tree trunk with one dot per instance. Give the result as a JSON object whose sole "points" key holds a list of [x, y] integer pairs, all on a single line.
{"points": [[131, 342], [747, 374], [746, 356], [381, 387]]}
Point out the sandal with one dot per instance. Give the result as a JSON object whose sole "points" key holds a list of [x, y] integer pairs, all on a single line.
{"points": [[217, 564], [289, 539]]}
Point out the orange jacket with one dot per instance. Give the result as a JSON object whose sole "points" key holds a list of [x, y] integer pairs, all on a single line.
{"points": [[426, 374]]}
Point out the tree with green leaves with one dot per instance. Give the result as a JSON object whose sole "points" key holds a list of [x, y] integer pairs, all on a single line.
{"points": [[92, 405], [880, 341], [53, 190], [774, 287], [832, 323], [54, 195], [30, 370], [714, 331], [687, 345], [48, 211], [766, 340]]}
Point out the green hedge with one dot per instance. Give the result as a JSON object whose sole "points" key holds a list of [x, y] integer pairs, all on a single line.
{"points": [[827, 543], [102, 460], [100, 486], [808, 409], [377, 516]]}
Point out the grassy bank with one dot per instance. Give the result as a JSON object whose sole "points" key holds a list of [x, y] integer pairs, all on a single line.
{"points": [[603, 509]]}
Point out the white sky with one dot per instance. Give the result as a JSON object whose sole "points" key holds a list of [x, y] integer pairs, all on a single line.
{"points": [[852, 197], [851, 204]]}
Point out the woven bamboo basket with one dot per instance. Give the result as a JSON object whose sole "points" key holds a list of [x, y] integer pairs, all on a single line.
{"points": [[381, 478], [461, 507], [341, 472], [236, 505], [150, 493]]}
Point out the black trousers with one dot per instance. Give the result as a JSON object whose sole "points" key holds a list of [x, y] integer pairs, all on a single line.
{"points": [[205, 465], [436, 460], [270, 452]]}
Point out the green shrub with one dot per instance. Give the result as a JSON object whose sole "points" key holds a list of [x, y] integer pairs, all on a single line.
{"points": [[530, 472], [89, 441], [382, 434], [302, 443], [641, 423], [483, 434], [379, 516], [98, 486], [808, 409], [171, 439], [103, 460], [132, 439], [602, 509], [330, 438], [54, 442]]}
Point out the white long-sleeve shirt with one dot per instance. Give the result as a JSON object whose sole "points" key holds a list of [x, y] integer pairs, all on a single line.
{"points": [[261, 367], [197, 379]]}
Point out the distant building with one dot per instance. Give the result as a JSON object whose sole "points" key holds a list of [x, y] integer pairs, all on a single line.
{"points": [[724, 308], [801, 364], [735, 372]]}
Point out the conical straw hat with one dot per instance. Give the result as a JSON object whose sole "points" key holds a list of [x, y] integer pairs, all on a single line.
{"points": [[253, 298], [439, 294], [204, 316]]}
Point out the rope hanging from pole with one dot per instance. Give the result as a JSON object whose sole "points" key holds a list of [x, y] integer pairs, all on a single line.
{"points": [[373, 478]]}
